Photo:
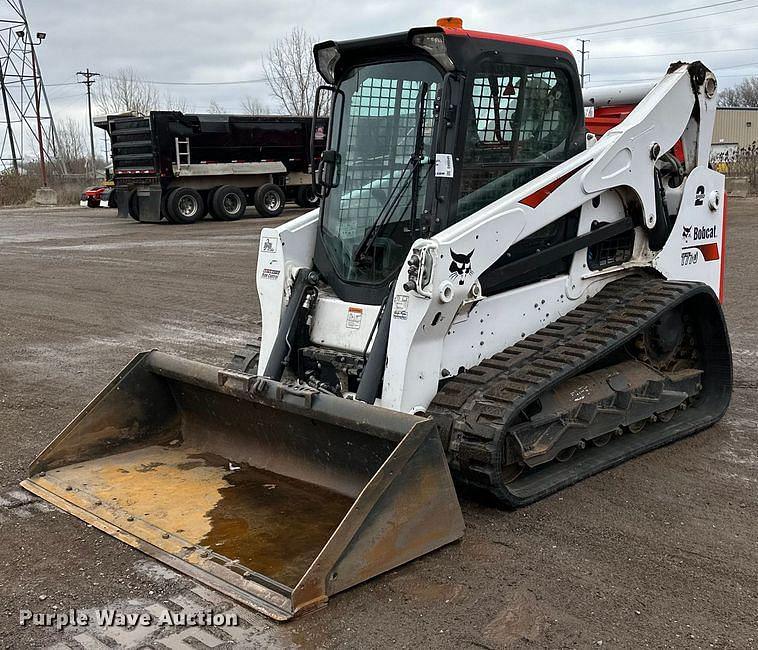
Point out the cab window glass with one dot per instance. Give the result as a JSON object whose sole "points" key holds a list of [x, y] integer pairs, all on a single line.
{"points": [[519, 125]]}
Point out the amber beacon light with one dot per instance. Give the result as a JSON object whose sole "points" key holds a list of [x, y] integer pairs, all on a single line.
{"points": [[452, 22]]}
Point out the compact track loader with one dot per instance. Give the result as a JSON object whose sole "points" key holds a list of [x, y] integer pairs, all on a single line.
{"points": [[494, 291]]}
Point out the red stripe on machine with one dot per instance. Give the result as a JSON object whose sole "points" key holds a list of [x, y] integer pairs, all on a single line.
{"points": [[723, 251], [535, 198], [710, 251]]}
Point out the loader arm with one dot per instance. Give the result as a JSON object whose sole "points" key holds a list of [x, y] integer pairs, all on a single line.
{"points": [[623, 158]]}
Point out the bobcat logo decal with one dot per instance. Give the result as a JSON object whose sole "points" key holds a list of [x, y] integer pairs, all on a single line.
{"points": [[460, 267], [686, 232]]}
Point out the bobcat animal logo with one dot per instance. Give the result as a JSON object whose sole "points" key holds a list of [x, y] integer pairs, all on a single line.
{"points": [[460, 267], [686, 232]]}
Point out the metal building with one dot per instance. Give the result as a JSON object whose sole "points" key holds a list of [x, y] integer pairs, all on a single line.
{"points": [[735, 128]]}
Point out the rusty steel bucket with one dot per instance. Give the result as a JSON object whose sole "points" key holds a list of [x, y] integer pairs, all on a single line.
{"points": [[277, 496]]}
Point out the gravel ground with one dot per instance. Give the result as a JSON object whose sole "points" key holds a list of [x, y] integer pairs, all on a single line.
{"points": [[661, 552]]}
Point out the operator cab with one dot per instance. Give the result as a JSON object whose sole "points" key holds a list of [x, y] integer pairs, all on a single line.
{"points": [[427, 127]]}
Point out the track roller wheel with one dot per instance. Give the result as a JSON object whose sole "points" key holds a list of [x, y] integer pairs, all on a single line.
{"points": [[602, 441], [636, 427], [565, 455], [666, 416]]}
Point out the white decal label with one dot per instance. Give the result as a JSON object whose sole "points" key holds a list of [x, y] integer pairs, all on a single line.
{"points": [[443, 165], [354, 318], [270, 274], [269, 244], [400, 309]]}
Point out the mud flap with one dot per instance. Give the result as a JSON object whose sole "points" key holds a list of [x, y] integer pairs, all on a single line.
{"points": [[275, 495], [122, 201], [149, 198]]}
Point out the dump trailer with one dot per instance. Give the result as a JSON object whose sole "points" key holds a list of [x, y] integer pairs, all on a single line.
{"points": [[180, 167], [493, 291]]}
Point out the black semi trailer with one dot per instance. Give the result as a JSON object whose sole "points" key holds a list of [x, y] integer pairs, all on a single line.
{"points": [[178, 167]]}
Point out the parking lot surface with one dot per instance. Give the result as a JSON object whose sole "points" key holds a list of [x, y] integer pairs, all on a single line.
{"points": [[660, 552]]}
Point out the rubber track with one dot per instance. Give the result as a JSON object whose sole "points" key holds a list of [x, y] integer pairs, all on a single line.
{"points": [[483, 401]]}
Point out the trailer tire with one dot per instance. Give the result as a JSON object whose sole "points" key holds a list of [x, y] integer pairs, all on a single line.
{"points": [[228, 203], [269, 200], [164, 206], [209, 201], [184, 205], [133, 204], [305, 197]]}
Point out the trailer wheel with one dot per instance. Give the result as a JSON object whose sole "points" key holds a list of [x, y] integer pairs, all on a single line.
{"points": [[228, 203], [305, 197], [133, 203], [269, 200], [184, 205]]}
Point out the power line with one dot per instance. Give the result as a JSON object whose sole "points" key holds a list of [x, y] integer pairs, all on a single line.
{"points": [[645, 56], [631, 20], [201, 83], [653, 24], [682, 31]]}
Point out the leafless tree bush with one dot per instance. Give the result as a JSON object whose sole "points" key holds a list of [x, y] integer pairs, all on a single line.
{"points": [[73, 151], [172, 102], [215, 107], [739, 162], [744, 94], [124, 91], [17, 189], [291, 72], [254, 106]]}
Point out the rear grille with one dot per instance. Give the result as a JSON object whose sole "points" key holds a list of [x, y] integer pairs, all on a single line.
{"points": [[132, 146]]}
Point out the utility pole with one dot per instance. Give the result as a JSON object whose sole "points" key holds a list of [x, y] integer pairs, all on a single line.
{"points": [[584, 52], [89, 79]]}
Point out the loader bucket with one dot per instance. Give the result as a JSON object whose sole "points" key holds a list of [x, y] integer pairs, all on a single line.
{"points": [[275, 495]]}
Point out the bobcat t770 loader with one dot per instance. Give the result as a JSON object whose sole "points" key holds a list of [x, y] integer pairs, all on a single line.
{"points": [[495, 292]]}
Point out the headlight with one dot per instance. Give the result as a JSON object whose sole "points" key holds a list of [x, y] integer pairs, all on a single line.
{"points": [[434, 44], [326, 61]]}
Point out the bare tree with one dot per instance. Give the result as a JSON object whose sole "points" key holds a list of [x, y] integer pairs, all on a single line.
{"points": [[125, 91], [175, 103], [254, 106], [744, 94], [291, 72], [73, 150], [215, 107]]}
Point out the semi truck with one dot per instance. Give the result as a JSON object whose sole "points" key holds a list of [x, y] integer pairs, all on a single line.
{"points": [[180, 167]]}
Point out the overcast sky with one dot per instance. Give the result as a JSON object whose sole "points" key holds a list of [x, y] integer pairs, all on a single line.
{"points": [[225, 40]]}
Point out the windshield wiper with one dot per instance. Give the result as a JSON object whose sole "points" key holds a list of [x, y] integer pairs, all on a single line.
{"points": [[401, 185]]}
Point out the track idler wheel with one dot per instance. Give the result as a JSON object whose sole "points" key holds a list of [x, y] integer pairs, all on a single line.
{"points": [[511, 472]]}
